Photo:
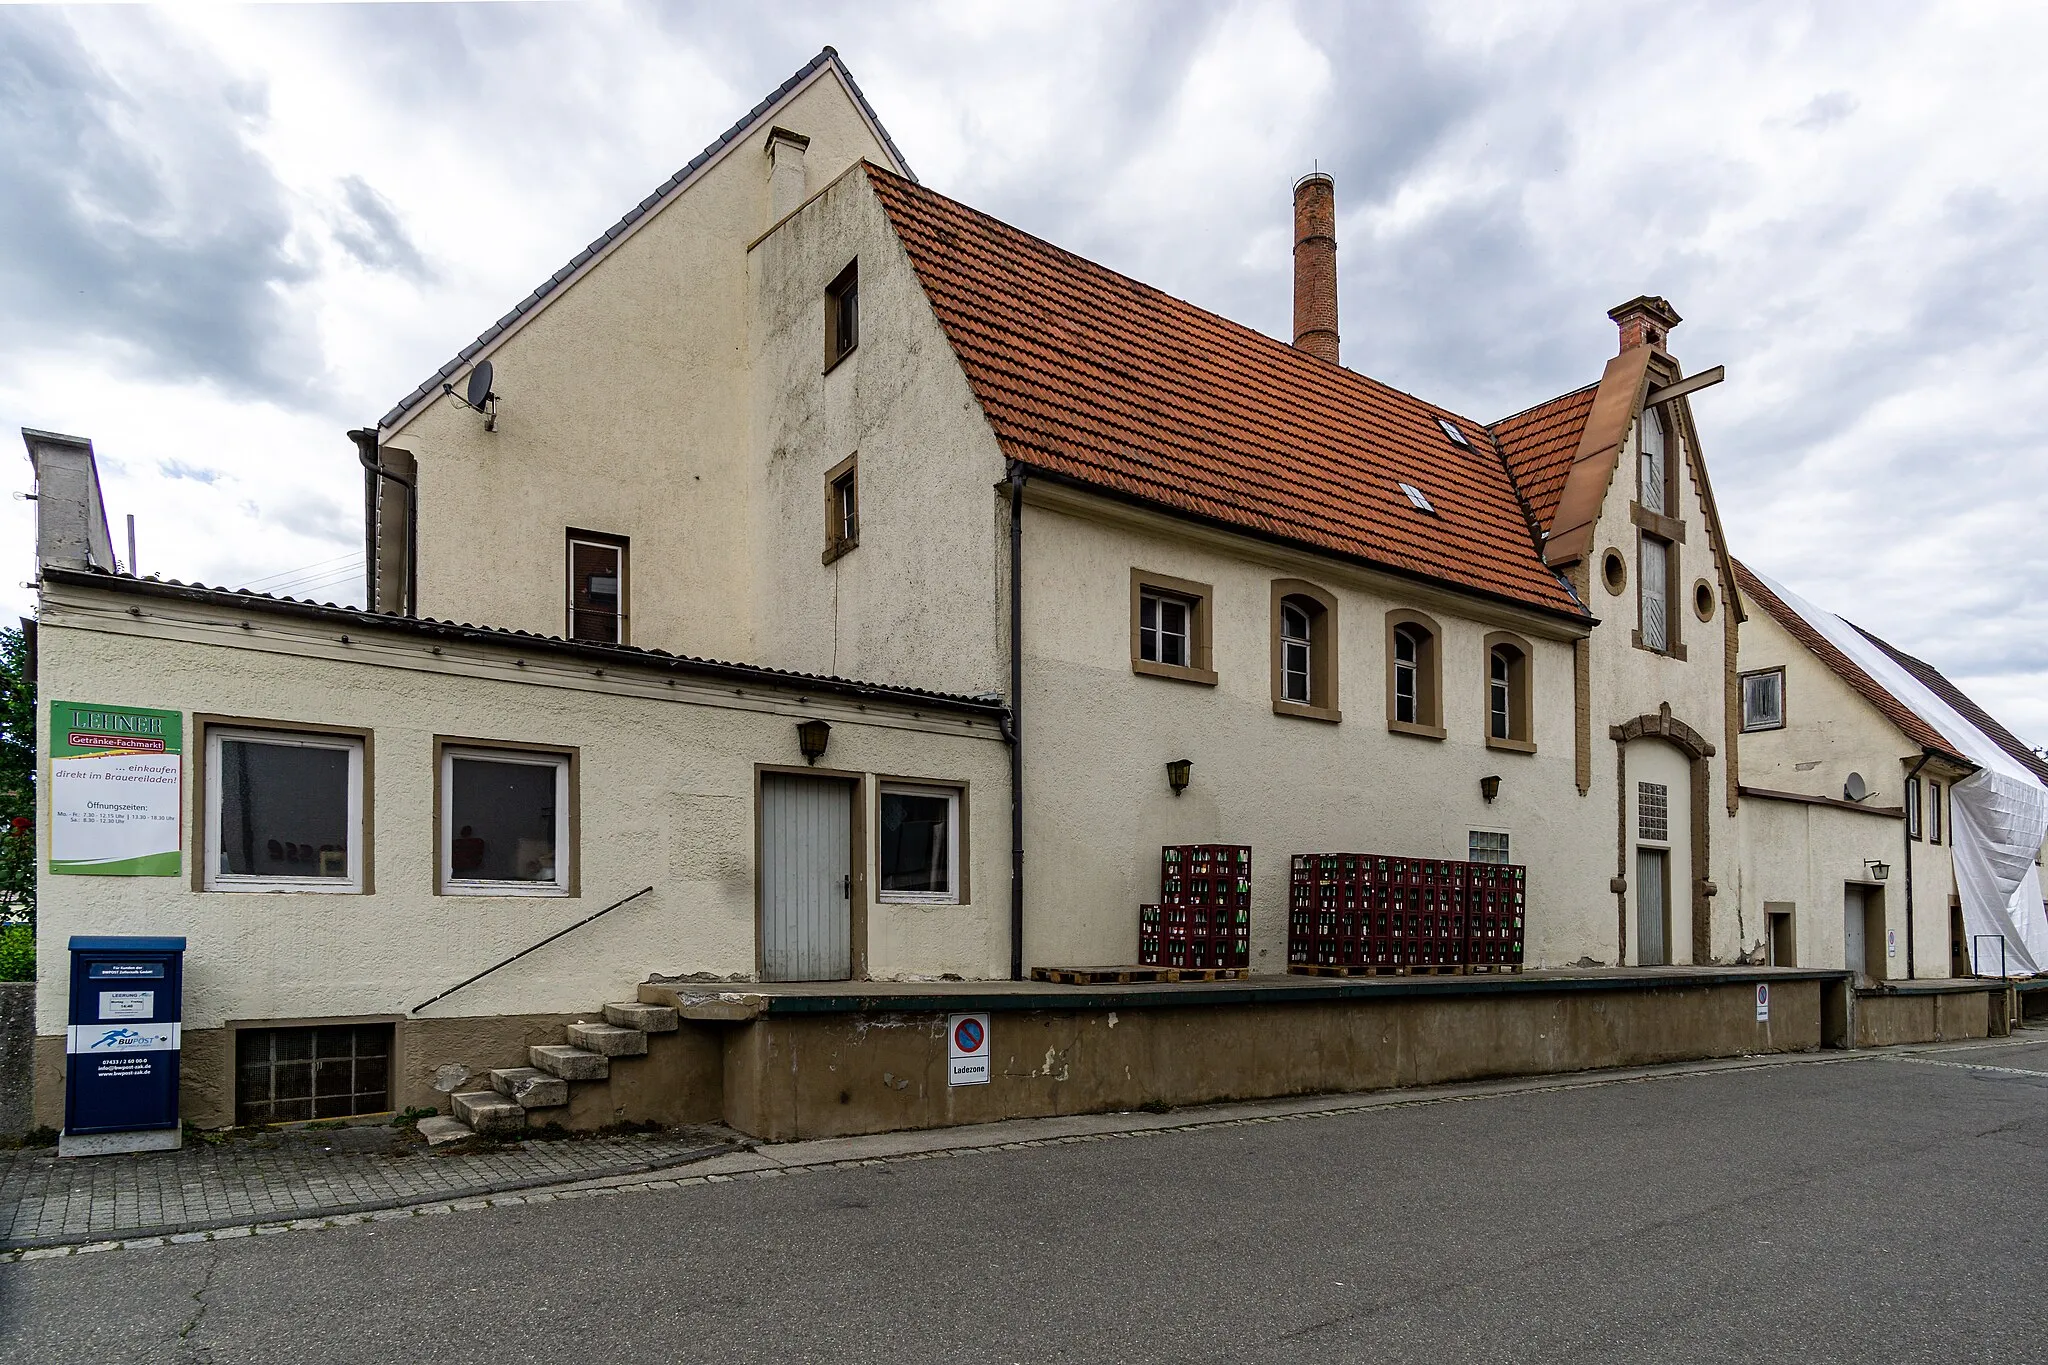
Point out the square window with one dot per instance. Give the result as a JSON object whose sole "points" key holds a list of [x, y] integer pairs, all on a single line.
{"points": [[1170, 628], [1763, 700], [504, 822], [1486, 846], [597, 588], [284, 811], [920, 844]]}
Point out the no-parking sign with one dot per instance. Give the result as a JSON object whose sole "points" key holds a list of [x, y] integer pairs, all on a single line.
{"points": [[967, 1049]]}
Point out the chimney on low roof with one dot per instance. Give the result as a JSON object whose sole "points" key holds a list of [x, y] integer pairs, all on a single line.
{"points": [[1315, 266], [1645, 320]]}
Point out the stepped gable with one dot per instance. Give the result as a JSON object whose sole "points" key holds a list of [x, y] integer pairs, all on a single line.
{"points": [[1088, 376]]}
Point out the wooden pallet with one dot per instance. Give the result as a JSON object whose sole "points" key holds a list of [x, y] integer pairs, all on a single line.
{"points": [[1130, 976], [1498, 968], [1413, 969]]}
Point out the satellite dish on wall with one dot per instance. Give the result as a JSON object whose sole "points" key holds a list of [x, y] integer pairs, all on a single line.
{"points": [[479, 384], [477, 394], [1855, 789]]}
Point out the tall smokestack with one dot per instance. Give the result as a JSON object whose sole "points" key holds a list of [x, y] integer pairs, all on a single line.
{"points": [[1315, 266]]}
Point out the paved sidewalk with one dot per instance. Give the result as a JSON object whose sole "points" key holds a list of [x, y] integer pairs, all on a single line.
{"points": [[45, 1201]]}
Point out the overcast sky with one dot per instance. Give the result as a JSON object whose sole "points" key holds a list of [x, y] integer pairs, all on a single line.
{"points": [[227, 235]]}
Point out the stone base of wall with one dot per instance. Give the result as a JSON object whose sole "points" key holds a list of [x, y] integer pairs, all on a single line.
{"points": [[17, 1057], [678, 1081], [784, 1063], [1887, 1018]]}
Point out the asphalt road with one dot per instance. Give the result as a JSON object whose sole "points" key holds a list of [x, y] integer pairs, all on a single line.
{"points": [[1876, 1209]]}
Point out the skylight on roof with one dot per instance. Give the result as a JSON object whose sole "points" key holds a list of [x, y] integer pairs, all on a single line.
{"points": [[1415, 496], [1451, 430]]}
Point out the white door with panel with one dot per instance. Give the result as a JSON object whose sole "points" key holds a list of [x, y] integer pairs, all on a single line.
{"points": [[806, 878]]}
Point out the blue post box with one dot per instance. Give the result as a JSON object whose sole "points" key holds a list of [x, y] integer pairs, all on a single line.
{"points": [[122, 1045]]}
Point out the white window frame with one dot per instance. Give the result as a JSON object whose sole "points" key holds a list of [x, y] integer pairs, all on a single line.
{"points": [[1408, 671], [1297, 654], [216, 790], [618, 553], [1500, 694], [950, 896], [1156, 634], [451, 885]]}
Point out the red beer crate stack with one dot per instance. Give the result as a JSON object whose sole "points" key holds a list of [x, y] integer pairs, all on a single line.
{"points": [[1373, 913], [1204, 915]]}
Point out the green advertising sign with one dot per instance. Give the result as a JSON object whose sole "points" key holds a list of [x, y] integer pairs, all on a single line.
{"points": [[116, 790]]}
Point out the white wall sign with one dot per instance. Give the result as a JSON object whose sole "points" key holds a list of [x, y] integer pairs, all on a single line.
{"points": [[1763, 1002], [116, 808], [127, 1004], [967, 1049]]}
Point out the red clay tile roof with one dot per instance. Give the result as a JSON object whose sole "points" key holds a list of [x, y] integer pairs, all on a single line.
{"points": [[1087, 375], [1841, 665], [1539, 445], [1928, 676]]}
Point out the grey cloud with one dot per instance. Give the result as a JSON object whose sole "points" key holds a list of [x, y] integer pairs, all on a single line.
{"points": [[1825, 111], [171, 248], [373, 234], [178, 469]]}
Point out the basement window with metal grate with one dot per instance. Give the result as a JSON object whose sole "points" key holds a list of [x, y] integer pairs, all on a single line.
{"points": [[1415, 497], [330, 1071]]}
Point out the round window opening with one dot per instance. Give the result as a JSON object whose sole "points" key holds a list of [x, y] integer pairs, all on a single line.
{"points": [[1614, 571], [1703, 600]]}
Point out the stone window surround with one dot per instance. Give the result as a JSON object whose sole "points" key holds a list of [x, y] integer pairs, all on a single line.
{"points": [[1521, 694], [1323, 656], [1201, 602], [572, 834], [837, 543], [1742, 698], [1429, 691], [847, 280], [202, 721]]}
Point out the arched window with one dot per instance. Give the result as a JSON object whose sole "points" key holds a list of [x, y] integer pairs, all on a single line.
{"points": [[1304, 650], [1414, 702], [1508, 716], [1297, 652]]}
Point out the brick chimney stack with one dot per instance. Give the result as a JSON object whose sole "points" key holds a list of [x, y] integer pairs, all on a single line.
{"points": [[1645, 320], [1315, 266]]}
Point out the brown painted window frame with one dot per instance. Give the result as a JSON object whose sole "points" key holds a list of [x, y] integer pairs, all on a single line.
{"points": [[1662, 528], [202, 721], [958, 788], [1200, 598], [1521, 694], [837, 346], [624, 545], [1323, 664], [1742, 699], [573, 835], [1429, 682], [1674, 643], [846, 475]]}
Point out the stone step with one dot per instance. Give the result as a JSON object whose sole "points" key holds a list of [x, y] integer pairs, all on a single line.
{"points": [[489, 1112], [530, 1087], [646, 1018], [570, 1063], [608, 1039], [442, 1129]]}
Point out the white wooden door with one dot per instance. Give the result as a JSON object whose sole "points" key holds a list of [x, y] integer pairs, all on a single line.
{"points": [[806, 878]]}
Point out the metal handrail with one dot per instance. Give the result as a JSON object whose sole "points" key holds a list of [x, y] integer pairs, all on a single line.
{"points": [[2003, 972], [524, 951]]}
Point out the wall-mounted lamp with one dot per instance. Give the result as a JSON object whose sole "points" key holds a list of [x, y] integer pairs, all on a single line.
{"points": [[1177, 774], [1489, 787], [811, 737], [1879, 868]]}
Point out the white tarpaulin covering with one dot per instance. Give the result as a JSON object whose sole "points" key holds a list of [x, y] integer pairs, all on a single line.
{"points": [[1999, 812]]}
